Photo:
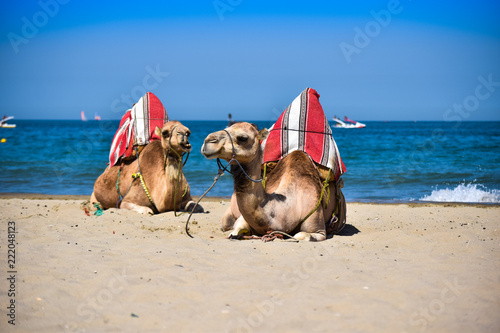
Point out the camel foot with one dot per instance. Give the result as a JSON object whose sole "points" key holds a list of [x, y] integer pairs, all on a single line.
{"points": [[239, 234], [189, 207], [309, 236], [136, 208], [241, 227]]}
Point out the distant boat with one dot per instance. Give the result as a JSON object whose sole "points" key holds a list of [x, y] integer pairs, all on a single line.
{"points": [[344, 124], [97, 117], [3, 123], [83, 116]]}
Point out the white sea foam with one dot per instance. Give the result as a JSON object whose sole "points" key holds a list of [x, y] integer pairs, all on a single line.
{"points": [[464, 193]]}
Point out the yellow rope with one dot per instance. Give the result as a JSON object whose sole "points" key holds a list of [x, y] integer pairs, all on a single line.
{"points": [[325, 186], [264, 177], [139, 175]]}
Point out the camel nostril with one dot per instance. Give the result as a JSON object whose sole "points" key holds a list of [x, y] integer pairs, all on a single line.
{"points": [[211, 140]]}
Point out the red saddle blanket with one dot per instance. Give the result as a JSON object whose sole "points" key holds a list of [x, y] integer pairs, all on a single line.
{"points": [[303, 126], [137, 127]]}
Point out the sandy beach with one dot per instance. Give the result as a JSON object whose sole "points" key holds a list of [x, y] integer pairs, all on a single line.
{"points": [[394, 268]]}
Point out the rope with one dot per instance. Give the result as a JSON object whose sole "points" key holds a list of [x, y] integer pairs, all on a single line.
{"points": [[325, 186], [178, 174], [99, 210], [268, 237], [274, 234], [264, 177], [120, 197], [299, 130], [219, 173], [139, 175], [179, 171], [219, 163]]}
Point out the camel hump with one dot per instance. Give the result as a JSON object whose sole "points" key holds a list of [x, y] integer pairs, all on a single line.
{"points": [[302, 158]]}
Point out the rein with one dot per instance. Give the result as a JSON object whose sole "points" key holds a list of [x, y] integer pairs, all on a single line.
{"points": [[233, 159], [139, 176], [220, 172], [181, 165]]}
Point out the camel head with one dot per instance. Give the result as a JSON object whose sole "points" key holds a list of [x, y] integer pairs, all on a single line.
{"points": [[174, 135], [241, 141]]}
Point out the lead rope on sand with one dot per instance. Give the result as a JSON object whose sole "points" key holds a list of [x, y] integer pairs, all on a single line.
{"points": [[219, 173]]}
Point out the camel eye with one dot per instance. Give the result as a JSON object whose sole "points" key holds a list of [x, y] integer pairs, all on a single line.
{"points": [[165, 134], [242, 138]]}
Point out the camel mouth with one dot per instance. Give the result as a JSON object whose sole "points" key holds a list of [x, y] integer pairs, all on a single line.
{"points": [[209, 153], [186, 147]]}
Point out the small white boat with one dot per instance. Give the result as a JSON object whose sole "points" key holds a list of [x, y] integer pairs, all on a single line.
{"points": [[3, 123], [347, 123]]}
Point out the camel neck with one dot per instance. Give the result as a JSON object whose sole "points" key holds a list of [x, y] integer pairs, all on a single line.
{"points": [[242, 174], [249, 194]]}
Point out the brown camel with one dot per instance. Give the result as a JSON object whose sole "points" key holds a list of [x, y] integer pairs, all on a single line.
{"points": [[160, 164], [292, 189]]}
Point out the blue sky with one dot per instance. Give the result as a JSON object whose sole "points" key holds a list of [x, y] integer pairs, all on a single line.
{"points": [[369, 60]]}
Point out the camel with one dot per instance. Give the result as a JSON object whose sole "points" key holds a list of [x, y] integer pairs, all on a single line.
{"points": [[160, 164], [292, 189]]}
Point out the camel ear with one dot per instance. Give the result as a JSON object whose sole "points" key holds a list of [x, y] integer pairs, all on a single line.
{"points": [[161, 133], [263, 134]]}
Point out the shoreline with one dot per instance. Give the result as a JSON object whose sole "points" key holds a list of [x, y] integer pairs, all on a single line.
{"points": [[43, 196]]}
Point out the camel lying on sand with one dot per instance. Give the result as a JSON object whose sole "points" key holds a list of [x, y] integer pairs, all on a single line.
{"points": [[292, 189], [162, 186]]}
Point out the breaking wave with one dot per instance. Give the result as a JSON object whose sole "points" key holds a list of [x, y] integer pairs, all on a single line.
{"points": [[473, 193]]}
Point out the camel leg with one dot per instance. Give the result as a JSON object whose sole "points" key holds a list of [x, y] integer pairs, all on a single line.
{"points": [[310, 236], [240, 227], [313, 229], [136, 208], [231, 214], [93, 200], [228, 220]]}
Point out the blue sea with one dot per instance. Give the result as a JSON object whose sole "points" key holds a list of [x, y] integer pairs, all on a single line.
{"points": [[386, 161]]}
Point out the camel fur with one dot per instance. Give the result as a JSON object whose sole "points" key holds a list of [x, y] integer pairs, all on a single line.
{"points": [[160, 163], [293, 188]]}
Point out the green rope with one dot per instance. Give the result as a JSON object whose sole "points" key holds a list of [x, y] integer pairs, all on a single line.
{"points": [[99, 210], [118, 183], [120, 196]]}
